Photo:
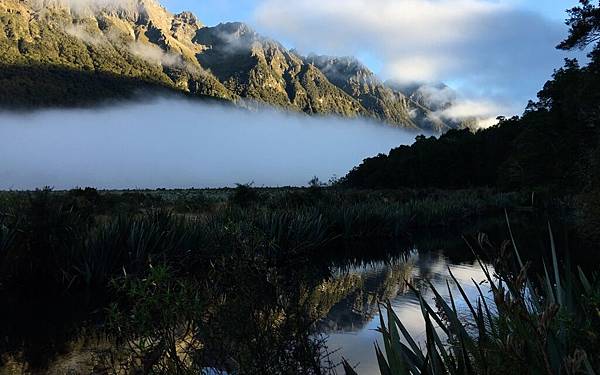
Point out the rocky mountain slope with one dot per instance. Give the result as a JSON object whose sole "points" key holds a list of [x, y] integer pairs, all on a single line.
{"points": [[381, 100], [65, 52]]}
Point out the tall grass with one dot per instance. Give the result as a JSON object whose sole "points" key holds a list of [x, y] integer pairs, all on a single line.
{"points": [[7, 236], [168, 278], [84, 237], [547, 324]]}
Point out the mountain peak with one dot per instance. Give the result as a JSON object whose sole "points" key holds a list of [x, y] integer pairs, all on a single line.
{"points": [[343, 70], [230, 33], [348, 63], [188, 18]]}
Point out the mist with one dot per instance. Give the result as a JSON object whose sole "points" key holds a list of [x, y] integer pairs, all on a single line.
{"points": [[175, 143]]}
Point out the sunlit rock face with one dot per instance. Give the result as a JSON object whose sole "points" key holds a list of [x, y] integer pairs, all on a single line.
{"points": [[378, 98], [141, 40], [132, 10]]}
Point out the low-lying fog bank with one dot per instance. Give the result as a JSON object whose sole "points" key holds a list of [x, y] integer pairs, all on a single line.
{"points": [[175, 143]]}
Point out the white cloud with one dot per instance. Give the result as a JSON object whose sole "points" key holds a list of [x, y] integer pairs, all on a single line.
{"points": [[471, 108], [156, 55], [409, 35], [436, 96], [450, 105], [82, 33], [415, 68], [495, 49], [484, 112]]}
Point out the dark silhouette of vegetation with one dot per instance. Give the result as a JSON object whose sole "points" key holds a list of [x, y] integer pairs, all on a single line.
{"points": [[584, 23], [157, 281], [457, 159], [244, 195], [150, 274], [151, 270]]}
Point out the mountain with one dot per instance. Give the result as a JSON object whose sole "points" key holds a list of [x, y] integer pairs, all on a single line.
{"points": [[437, 99], [257, 68], [383, 101], [76, 52]]}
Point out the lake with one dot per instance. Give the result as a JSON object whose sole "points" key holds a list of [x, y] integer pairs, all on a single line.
{"points": [[351, 324]]}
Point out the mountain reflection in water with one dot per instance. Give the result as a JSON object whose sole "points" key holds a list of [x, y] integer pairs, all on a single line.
{"points": [[352, 322]]}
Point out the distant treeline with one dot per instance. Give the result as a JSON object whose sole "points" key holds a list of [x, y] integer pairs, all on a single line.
{"points": [[554, 144]]}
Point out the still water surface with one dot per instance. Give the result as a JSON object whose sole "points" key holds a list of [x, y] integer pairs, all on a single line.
{"points": [[352, 322]]}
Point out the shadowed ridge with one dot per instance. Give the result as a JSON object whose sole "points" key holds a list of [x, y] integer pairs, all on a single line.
{"points": [[26, 87]]}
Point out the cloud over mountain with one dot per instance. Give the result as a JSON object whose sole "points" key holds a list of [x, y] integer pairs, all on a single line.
{"points": [[481, 47]]}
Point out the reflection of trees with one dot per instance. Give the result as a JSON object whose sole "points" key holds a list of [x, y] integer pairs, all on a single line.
{"points": [[349, 299]]}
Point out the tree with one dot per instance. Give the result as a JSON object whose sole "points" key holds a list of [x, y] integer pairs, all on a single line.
{"points": [[584, 23]]}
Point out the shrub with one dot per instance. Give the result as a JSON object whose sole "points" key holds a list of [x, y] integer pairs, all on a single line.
{"points": [[244, 195]]}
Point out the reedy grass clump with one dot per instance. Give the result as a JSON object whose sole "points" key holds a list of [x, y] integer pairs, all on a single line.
{"points": [[545, 325], [216, 279], [7, 235], [156, 322], [128, 244]]}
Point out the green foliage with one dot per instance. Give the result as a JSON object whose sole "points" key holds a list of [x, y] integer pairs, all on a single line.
{"points": [[589, 214], [155, 323], [85, 237], [7, 236], [38, 85], [177, 293], [228, 272]]}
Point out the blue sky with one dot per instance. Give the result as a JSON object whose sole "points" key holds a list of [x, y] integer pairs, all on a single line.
{"points": [[214, 11], [550, 8], [496, 53]]}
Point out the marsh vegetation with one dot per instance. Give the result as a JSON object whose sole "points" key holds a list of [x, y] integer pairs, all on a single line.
{"points": [[238, 280]]}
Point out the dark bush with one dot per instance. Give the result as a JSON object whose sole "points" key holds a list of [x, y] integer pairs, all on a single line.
{"points": [[244, 195]]}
